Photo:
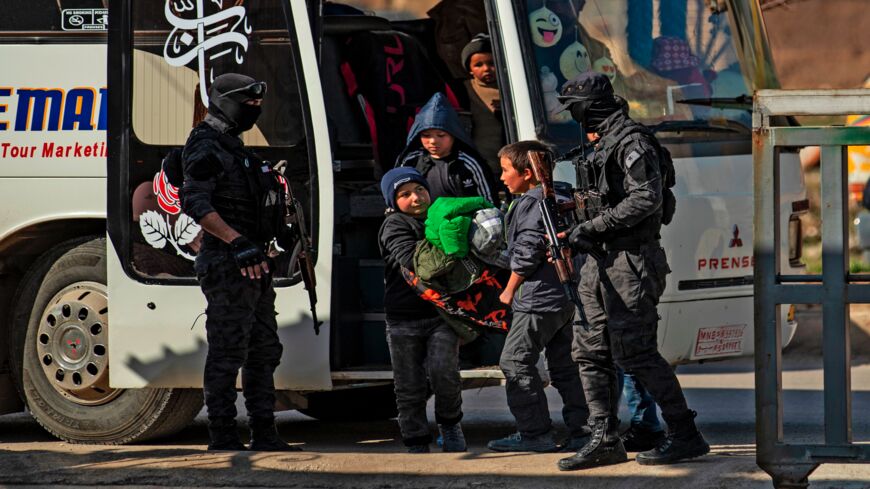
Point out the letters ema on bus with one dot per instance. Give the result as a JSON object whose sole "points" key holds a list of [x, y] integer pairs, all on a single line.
{"points": [[54, 109]]}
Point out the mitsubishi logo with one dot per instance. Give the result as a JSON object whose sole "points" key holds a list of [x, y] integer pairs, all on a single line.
{"points": [[735, 238]]}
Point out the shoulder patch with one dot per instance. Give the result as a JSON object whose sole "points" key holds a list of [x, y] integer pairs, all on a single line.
{"points": [[632, 157]]}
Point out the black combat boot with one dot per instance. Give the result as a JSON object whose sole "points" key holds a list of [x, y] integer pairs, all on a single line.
{"points": [[264, 437], [683, 442], [603, 448], [223, 435], [639, 439]]}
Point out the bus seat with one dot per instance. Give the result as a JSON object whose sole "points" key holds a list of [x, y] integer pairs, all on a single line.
{"points": [[390, 76], [349, 133]]}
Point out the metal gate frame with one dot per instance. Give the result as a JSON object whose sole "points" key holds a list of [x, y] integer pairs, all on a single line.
{"points": [[791, 464]]}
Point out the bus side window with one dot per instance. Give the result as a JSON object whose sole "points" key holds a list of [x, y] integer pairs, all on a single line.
{"points": [[168, 99]]}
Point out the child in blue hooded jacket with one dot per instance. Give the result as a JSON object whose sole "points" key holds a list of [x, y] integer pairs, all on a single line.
{"points": [[444, 154]]}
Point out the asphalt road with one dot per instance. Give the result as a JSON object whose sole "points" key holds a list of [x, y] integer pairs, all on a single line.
{"points": [[370, 455]]}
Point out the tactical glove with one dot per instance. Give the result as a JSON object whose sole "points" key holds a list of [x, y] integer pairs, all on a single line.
{"points": [[246, 253], [580, 240]]}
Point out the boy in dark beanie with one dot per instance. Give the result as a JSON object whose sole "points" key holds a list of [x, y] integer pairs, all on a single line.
{"points": [[487, 130], [423, 348]]}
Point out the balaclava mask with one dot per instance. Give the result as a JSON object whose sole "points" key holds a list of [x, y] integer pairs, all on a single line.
{"points": [[227, 97]]}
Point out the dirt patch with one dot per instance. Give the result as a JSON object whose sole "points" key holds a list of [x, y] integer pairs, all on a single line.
{"points": [[807, 341]]}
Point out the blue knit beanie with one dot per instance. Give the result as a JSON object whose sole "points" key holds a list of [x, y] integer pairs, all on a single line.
{"points": [[395, 178]]}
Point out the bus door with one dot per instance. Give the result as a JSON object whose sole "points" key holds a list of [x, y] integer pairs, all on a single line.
{"points": [[161, 66]]}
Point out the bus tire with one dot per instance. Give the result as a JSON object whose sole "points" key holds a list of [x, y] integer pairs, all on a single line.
{"points": [[60, 355], [358, 404]]}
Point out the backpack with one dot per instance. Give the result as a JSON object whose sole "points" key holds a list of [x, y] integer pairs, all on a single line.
{"points": [[172, 167], [669, 179]]}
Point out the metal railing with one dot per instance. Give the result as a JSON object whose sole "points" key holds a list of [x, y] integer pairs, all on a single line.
{"points": [[791, 464]]}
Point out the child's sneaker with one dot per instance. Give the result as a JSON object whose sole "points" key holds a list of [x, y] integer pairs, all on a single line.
{"points": [[519, 443], [452, 439], [418, 448]]}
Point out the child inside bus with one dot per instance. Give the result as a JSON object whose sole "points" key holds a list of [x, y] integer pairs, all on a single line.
{"points": [[443, 153], [423, 348], [483, 98], [542, 320]]}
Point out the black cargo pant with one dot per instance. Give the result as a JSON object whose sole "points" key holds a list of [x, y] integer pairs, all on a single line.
{"points": [[531, 333], [242, 334], [620, 294], [425, 355]]}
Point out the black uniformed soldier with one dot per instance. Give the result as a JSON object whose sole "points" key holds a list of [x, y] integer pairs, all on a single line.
{"points": [[239, 203], [621, 288]]}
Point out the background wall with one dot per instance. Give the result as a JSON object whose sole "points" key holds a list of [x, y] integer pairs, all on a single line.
{"points": [[819, 43]]}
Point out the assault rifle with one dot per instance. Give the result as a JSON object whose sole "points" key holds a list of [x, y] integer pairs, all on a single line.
{"points": [[588, 200], [560, 253], [303, 252]]}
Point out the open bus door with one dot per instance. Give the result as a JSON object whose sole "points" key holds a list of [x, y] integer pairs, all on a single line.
{"points": [[162, 58]]}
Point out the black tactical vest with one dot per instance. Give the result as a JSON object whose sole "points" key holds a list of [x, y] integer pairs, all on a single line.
{"points": [[248, 196], [600, 172]]}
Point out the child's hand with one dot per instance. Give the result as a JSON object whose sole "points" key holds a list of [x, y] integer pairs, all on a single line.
{"points": [[506, 297]]}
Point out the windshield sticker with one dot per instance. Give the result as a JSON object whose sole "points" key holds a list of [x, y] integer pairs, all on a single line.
{"points": [[605, 65], [203, 38], [550, 87], [85, 19], [546, 27], [574, 60]]}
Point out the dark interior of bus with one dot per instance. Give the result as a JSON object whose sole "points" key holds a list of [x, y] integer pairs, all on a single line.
{"points": [[361, 56]]}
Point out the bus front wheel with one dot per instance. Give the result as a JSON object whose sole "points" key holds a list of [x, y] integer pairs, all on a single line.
{"points": [[61, 354]]}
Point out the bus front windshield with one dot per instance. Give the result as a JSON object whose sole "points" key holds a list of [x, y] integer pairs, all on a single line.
{"points": [[674, 61]]}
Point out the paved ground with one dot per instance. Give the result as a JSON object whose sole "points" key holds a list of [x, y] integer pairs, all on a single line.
{"points": [[369, 455]]}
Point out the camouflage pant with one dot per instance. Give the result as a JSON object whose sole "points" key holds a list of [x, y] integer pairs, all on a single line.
{"points": [[620, 294], [425, 357], [531, 333], [242, 334]]}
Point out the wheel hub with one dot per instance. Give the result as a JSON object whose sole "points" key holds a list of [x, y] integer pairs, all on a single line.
{"points": [[72, 343]]}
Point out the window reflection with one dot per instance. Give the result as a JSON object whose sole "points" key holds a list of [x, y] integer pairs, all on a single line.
{"points": [[657, 54]]}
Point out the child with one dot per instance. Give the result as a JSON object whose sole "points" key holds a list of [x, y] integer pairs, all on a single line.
{"points": [[542, 320], [421, 344], [442, 152], [487, 127]]}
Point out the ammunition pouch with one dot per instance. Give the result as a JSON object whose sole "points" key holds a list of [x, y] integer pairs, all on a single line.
{"points": [[588, 204]]}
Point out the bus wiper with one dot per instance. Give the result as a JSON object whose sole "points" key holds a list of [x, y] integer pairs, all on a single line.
{"points": [[698, 125], [742, 102]]}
